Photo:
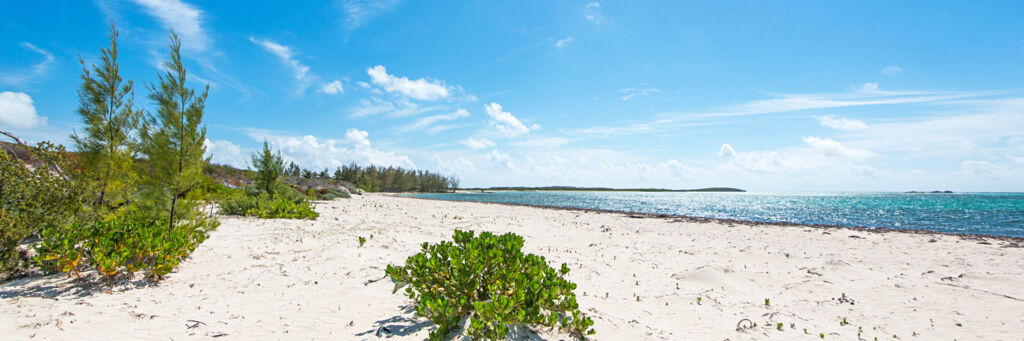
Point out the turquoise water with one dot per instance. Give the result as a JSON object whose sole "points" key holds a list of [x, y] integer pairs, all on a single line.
{"points": [[979, 213]]}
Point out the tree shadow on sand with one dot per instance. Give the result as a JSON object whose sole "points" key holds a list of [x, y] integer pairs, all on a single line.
{"points": [[60, 286], [407, 323]]}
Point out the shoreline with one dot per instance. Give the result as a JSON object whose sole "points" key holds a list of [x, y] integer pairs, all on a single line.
{"points": [[1012, 241], [639, 279]]}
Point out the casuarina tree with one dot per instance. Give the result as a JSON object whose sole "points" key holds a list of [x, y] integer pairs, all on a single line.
{"points": [[173, 139], [110, 118]]}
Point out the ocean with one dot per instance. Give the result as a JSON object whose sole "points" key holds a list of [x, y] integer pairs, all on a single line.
{"points": [[999, 214]]}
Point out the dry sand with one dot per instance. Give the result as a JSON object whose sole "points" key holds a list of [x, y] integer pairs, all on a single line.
{"points": [[297, 279]]}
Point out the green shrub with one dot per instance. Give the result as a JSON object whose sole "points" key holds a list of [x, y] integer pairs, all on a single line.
{"points": [[265, 206], [122, 245], [41, 194], [488, 279]]}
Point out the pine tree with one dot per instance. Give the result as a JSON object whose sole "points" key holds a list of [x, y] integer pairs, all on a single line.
{"points": [[107, 109], [269, 167], [172, 140]]}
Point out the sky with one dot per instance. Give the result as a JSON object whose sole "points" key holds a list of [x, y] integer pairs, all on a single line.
{"points": [[799, 96]]}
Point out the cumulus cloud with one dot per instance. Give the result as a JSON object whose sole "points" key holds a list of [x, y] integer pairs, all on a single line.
{"points": [[299, 71], [332, 88], [818, 155], [840, 123], [477, 143], [227, 153], [563, 42], [18, 110], [891, 70], [185, 19], [316, 153], [430, 121], [592, 11], [420, 89], [500, 158], [505, 122]]}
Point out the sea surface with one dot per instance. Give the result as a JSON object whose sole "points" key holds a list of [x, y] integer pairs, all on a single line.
{"points": [[1000, 214]]}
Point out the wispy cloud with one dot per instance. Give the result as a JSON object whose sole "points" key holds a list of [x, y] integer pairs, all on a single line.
{"points": [[841, 123], [185, 19], [631, 93], [21, 77], [401, 107], [477, 143], [429, 121], [891, 70], [563, 42], [359, 12], [299, 71], [592, 12]]}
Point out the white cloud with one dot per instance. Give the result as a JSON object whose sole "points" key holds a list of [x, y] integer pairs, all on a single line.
{"points": [[332, 88], [183, 18], [544, 142], [44, 65], [20, 77], [299, 71], [891, 70], [840, 123], [227, 153], [421, 89], [317, 153], [359, 12], [592, 11], [17, 110], [563, 42], [630, 93], [477, 143], [500, 158], [400, 107], [727, 151], [831, 148], [505, 122], [428, 121], [820, 155]]}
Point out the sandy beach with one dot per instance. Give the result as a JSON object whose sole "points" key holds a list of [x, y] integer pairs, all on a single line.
{"points": [[639, 278]]}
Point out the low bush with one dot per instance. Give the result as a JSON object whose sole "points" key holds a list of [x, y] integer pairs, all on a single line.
{"points": [[489, 280], [37, 191], [121, 245], [265, 206]]}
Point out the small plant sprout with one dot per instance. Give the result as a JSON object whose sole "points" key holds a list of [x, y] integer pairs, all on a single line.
{"points": [[606, 294], [792, 325], [698, 300], [778, 326], [767, 302], [822, 335], [843, 322], [677, 285], [362, 241]]}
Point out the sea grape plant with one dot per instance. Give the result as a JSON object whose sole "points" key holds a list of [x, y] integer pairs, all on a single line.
{"points": [[489, 280]]}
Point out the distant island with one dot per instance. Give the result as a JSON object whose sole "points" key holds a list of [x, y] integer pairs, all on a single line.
{"points": [[602, 189], [932, 192]]}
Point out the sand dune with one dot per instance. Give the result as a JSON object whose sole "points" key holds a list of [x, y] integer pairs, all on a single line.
{"points": [[655, 279]]}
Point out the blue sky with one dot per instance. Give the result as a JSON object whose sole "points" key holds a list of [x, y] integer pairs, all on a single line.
{"points": [[767, 96]]}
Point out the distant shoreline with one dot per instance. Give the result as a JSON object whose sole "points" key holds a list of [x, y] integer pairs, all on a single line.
{"points": [[1016, 241], [598, 189]]}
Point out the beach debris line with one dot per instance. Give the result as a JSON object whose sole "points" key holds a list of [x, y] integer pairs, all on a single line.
{"points": [[487, 279]]}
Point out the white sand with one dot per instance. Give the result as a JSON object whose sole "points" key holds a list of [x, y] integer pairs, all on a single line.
{"points": [[295, 279]]}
